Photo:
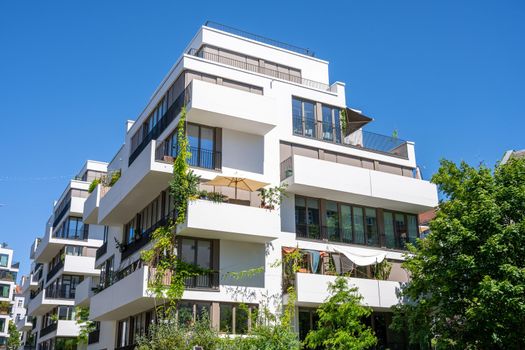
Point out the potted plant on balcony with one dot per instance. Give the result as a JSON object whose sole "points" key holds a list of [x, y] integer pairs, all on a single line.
{"points": [[272, 197], [5, 307]]}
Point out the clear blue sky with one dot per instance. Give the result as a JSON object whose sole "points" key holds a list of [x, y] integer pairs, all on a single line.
{"points": [[449, 76]]}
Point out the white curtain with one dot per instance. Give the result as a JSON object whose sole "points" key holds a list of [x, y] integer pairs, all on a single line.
{"points": [[362, 259]]}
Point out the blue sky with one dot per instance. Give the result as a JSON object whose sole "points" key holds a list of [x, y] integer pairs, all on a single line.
{"points": [[448, 75]]}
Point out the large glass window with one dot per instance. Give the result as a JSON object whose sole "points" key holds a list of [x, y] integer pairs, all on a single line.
{"points": [[2, 325], [390, 237], [201, 144], [235, 319], [72, 228], [307, 217], [304, 118], [400, 229], [359, 229], [346, 224], [332, 221], [197, 252], [331, 124], [4, 290], [4, 260], [371, 227]]}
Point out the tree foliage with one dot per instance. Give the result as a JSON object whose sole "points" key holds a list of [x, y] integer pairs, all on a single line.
{"points": [[13, 341], [468, 276], [340, 324]]}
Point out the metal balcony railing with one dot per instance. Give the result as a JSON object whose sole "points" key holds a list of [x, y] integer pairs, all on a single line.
{"points": [[173, 111], [60, 293], [210, 56], [259, 38], [48, 329], [201, 158], [328, 132], [102, 250], [54, 270]]}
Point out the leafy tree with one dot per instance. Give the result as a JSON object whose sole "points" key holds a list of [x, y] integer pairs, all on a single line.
{"points": [[13, 341], [340, 323], [468, 276]]}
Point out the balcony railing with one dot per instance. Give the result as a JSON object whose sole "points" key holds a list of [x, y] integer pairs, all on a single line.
{"points": [[54, 270], [48, 329], [201, 158], [102, 250], [93, 337], [142, 239], [286, 168], [173, 111], [259, 38], [7, 276], [258, 69], [342, 235], [63, 212], [60, 293], [328, 132], [206, 281]]}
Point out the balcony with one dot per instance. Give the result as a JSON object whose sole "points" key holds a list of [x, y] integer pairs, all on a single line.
{"points": [[128, 292], [75, 265], [312, 290], [24, 324], [351, 184], [51, 245], [85, 290], [230, 221], [34, 247], [92, 204], [61, 328], [48, 299], [7, 276], [225, 107], [102, 250]]}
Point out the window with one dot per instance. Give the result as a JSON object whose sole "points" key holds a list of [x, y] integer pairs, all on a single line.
{"points": [[307, 321], [199, 253], [304, 118], [307, 217], [399, 229], [189, 312], [2, 325], [4, 290], [73, 250], [72, 228], [201, 144], [331, 124], [106, 273], [106, 233], [4, 260], [236, 319]]}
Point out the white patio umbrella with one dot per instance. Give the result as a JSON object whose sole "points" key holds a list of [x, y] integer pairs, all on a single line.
{"points": [[237, 182]]}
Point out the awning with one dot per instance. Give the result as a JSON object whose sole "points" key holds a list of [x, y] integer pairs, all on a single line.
{"points": [[362, 259], [355, 120]]}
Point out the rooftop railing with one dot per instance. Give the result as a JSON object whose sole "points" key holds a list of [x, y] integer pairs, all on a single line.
{"points": [[259, 38], [328, 132], [258, 69]]}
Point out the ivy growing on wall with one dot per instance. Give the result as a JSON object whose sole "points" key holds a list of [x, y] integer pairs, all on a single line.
{"points": [[167, 272]]}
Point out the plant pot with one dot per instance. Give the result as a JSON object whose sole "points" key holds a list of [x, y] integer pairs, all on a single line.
{"points": [[168, 159], [288, 172]]}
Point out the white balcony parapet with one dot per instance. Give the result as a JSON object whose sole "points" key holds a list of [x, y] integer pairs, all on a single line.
{"points": [[351, 184], [312, 290]]}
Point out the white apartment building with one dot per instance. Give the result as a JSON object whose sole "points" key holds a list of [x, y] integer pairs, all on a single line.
{"points": [[8, 275], [61, 259], [257, 109]]}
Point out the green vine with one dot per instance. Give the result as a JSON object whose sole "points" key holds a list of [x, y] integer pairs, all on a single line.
{"points": [[167, 272], [86, 326], [343, 119]]}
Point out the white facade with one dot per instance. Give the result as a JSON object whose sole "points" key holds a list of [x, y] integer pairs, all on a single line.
{"points": [[61, 259], [8, 300], [268, 114]]}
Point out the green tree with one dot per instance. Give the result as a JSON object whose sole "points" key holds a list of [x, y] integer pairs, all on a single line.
{"points": [[340, 323], [468, 276], [13, 341]]}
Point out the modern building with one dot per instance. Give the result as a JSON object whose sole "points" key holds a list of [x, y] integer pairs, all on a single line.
{"points": [[61, 259], [264, 112], [512, 154], [8, 275]]}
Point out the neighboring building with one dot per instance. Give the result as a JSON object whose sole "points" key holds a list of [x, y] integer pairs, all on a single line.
{"points": [[512, 154], [265, 111], [8, 275], [61, 260]]}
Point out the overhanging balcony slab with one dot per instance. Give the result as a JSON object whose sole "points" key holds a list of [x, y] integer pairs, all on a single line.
{"points": [[340, 182], [39, 305], [126, 297], [139, 184], [91, 205], [312, 290], [65, 329], [225, 107], [84, 292], [228, 221]]}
